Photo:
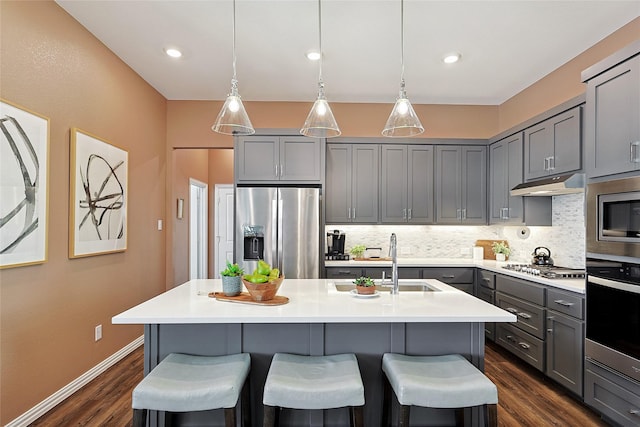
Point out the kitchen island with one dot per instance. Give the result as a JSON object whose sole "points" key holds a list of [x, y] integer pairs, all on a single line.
{"points": [[317, 320]]}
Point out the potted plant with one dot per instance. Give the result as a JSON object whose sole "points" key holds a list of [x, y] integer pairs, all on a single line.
{"points": [[231, 282], [365, 285], [357, 251], [501, 250]]}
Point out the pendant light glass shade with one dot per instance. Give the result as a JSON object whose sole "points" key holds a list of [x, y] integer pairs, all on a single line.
{"points": [[232, 118], [403, 120], [320, 122]]}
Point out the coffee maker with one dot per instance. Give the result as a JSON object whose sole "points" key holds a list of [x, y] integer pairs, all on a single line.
{"points": [[335, 246]]}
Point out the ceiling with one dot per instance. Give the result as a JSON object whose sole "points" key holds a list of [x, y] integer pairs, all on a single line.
{"points": [[505, 45]]}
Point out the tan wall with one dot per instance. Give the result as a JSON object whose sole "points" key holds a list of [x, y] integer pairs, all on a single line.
{"points": [[51, 65], [186, 164], [565, 82]]}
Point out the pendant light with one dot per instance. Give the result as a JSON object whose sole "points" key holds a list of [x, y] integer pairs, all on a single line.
{"points": [[233, 119], [320, 122], [403, 120]]}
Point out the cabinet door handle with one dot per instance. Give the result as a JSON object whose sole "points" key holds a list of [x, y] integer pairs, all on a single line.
{"points": [[524, 315], [348, 213], [546, 164], [409, 215], [448, 276], [281, 170], [634, 411], [524, 345], [276, 170], [354, 213], [563, 303], [511, 338], [404, 214], [464, 214], [552, 163], [633, 152], [459, 214]]}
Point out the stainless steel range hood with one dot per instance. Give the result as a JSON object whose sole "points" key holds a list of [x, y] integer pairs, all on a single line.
{"points": [[563, 184]]}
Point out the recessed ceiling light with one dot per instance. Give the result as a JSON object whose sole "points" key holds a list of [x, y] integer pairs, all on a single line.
{"points": [[313, 55], [451, 58], [174, 53]]}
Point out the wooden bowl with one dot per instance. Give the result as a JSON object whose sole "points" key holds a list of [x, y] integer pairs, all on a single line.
{"points": [[263, 291]]}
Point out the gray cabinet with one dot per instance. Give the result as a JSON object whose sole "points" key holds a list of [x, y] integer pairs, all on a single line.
{"points": [[612, 115], [614, 396], [485, 290], [553, 147], [373, 272], [565, 339], [278, 158], [352, 183], [407, 184], [459, 277], [461, 184], [505, 172]]}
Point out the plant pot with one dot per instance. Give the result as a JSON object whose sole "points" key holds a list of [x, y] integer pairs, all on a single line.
{"points": [[365, 290], [501, 257], [231, 285]]}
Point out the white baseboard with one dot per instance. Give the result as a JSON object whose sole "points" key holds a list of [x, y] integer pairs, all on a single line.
{"points": [[47, 404]]}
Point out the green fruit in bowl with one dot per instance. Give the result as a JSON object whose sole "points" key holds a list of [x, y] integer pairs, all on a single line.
{"points": [[274, 274], [256, 278], [263, 268]]}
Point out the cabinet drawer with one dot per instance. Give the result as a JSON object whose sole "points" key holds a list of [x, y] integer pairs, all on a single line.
{"points": [[449, 275], [403, 273], [343, 273], [530, 317], [619, 400], [522, 289], [567, 303], [487, 295], [523, 345], [487, 279]]}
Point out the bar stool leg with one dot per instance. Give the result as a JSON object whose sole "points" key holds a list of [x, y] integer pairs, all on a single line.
{"points": [[491, 413], [386, 403], [460, 417], [357, 416], [405, 412], [270, 415], [139, 417], [246, 405], [230, 416]]}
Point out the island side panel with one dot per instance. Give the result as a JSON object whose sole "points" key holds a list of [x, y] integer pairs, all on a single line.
{"points": [[369, 341]]}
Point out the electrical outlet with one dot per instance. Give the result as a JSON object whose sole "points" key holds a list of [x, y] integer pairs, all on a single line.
{"points": [[98, 332]]}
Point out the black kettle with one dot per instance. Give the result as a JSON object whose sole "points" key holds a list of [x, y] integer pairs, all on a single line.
{"points": [[540, 257]]}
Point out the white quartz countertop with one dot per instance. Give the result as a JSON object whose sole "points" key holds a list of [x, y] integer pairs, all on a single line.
{"points": [[314, 301], [573, 285]]}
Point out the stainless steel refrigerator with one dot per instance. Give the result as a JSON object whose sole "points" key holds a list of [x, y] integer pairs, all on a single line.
{"points": [[280, 225]]}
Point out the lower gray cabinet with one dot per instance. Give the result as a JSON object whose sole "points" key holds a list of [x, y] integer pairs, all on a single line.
{"points": [[565, 337], [525, 346], [617, 398], [343, 272], [459, 277], [373, 272], [485, 290]]}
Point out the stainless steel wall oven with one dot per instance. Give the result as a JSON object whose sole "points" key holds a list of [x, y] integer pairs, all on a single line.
{"points": [[613, 315], [613, 217]]}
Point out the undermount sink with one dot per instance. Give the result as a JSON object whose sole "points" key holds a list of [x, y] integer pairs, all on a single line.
{"points": [[404, 285]]}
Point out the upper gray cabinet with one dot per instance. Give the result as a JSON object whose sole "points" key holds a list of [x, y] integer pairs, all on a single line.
{"points": [[552, 147], [505, 172], [461, 184], [278, 158], [612, 115], [407, 184], [351, 193]]}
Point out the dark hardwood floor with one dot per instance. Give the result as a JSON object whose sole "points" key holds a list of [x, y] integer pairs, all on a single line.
{"points": [[527, 398]]}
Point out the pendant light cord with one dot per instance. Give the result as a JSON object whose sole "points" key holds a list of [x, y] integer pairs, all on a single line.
{"points": [[233, 30], [320, 38], [402, 43]]}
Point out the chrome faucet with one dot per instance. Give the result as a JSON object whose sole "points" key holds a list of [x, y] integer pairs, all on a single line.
{"points": [[393, 253]]}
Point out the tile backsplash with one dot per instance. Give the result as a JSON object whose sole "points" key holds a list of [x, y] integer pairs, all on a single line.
{"points": [[565, 238]]}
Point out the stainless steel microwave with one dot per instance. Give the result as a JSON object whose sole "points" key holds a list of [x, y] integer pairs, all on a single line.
{"points": [[613, 217]]}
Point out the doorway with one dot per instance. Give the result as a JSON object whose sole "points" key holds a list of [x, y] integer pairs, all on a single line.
{"points": [[198, 238], [224, 227]]}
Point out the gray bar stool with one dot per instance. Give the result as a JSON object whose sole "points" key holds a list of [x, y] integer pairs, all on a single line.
{"points": [[448, 381], [185, 383], [313, 382]]}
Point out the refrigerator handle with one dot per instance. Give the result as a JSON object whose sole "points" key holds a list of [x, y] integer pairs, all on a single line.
{"points": [[280, 234], [274, 220]]}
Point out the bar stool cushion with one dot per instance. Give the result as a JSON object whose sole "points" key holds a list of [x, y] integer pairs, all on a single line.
{"points": [[448, 381], [313, 382], [185, 383]]}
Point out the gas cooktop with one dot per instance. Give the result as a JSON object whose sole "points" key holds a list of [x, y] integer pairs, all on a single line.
{"points": [[547, 271]]}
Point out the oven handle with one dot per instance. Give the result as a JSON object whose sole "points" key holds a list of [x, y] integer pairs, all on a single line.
{"points": [[615, 284]]}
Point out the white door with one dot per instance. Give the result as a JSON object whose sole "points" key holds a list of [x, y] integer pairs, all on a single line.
{"points": [[198, 230], [224, 227]]}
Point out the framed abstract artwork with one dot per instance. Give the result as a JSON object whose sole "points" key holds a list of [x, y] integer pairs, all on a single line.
{"points": [[98, 196], [24, 173]]}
